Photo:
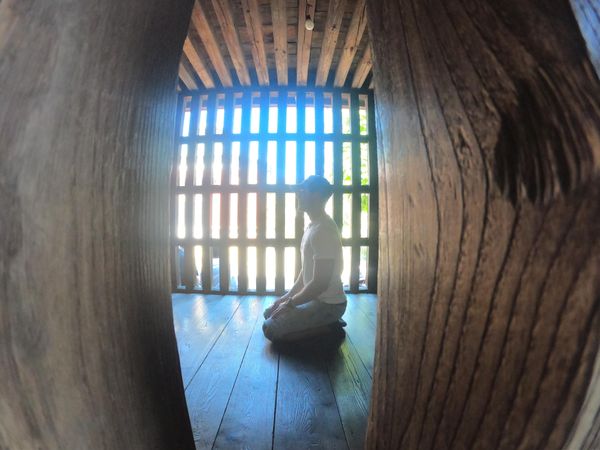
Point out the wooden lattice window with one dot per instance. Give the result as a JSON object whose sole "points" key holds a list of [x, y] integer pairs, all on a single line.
{"points": [[239, 154]]}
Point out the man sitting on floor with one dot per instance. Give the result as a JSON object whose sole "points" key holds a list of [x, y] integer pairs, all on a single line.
{"points": [[316, 302]]}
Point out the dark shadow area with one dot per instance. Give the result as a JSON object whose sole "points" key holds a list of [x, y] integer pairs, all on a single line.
{"points": [[322, 348]]}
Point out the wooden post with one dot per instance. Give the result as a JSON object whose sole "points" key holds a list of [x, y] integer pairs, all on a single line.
{"points": [[87, 118], [489, 131]]}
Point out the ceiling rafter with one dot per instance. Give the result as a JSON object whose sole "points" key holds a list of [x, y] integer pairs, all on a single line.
{"points": [[186, 77], [253, 21], [201, 70], [207, 36], [335, 15], [306, 9], [279, 14], [362, 70], [224, 15], [353, 38], [263, 41]]}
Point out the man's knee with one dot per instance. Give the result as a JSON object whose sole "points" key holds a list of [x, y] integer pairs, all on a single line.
{"points": [[270, 330]]}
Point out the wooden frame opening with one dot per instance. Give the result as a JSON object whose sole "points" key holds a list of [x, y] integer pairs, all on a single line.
{"points": [[238, 156]]}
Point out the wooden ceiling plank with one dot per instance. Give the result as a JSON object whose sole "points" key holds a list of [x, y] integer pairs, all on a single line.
{"points": [[353, 38], [255, 30], [207, 36], [335, 15], [224, 15], [306, 8], [201, 70], [187, 78], [279, 18], [362, 70]]}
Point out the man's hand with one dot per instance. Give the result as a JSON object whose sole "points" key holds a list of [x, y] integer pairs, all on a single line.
{"points": [[281, 308], [271, 309]]}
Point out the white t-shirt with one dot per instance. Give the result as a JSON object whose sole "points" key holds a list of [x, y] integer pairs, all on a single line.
{"points": [[321, 240]]}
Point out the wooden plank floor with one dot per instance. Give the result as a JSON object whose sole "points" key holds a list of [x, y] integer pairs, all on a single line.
{"points": [[243, 393]]}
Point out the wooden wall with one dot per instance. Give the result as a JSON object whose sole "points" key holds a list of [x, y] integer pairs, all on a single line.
{"points": [[489, 146], [88, 357]]}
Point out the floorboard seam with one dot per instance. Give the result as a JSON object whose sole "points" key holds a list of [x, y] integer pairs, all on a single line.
{"points": [[211, 347], [359, 356], [236, 377], [275, 408], [337, 406]]}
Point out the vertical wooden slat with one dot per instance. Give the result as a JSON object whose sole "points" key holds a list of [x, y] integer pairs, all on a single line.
{"points": [[189, 266], [211, 45], [226, 163], [279, 13], [306, 8], [176, 268], [319, 129], [201, 70], [280, 199], [356, 200], [353, 38], [337, 158], [243, 197], [262, 196], [300, 147], [335, 15], [254, 24], [229, 32], [211, 110]]}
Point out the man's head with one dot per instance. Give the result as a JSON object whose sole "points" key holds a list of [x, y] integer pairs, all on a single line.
{"points": [[313, 193]]}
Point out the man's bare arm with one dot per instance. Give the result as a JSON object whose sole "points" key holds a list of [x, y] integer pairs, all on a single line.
{"points": [[323, 272]]}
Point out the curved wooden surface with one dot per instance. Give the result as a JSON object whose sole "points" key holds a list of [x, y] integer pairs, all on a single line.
{"points": [[490, 212], [489, 322], [88, 357]]}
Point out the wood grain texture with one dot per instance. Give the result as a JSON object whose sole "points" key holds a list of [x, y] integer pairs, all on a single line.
{"points": [[306, 9], [307, 415], [88, 357], [197, 63], [351, 43], [253, 20], [186, 77], [279, 19], [362, 70], [335, 14], [229, 32], [489, 149], [248, 420], [209, 391], [207, 35]]}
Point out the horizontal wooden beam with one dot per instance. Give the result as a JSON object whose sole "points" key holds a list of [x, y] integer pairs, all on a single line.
{"points": [[256, 32], [353, 38], [207, 36], [305, 10], [279, 17], [232, 41], [201, 70], [335, 15], [362, 70]]}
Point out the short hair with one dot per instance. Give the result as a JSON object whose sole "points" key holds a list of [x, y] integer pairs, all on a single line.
{"points": [[318, 184]]}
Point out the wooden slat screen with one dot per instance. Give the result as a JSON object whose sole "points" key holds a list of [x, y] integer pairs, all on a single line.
{"points": [[239, 154]]}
